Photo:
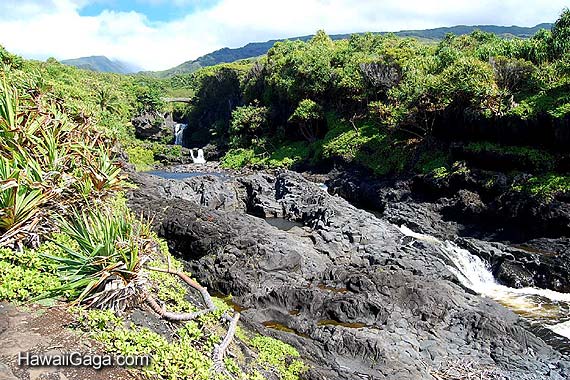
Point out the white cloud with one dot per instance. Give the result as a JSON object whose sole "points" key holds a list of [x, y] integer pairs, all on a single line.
{"points": [[39, 29]]}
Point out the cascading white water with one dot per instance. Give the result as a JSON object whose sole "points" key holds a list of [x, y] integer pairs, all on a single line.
{"points": [[199, 159], [543, 306], [179, 132]]}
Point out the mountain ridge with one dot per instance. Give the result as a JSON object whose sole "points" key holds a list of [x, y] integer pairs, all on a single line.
{"points": [[255, 49], [101, 63]]}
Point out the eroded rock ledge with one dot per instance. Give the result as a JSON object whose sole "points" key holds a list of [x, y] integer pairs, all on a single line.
{"points": [[355, 296]]}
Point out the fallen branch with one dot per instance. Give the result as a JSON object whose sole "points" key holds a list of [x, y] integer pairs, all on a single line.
{"points": [[203, 291], [171, 316], [220, 350]]}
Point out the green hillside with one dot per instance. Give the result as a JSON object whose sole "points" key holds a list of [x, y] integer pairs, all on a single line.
{"points": [[256, 49]]}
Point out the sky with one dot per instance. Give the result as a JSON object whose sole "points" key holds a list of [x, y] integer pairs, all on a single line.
{"points": [[159, 34]]}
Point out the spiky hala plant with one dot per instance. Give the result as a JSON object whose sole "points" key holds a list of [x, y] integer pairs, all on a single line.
{"points": [[45, 157], [108, 246]]}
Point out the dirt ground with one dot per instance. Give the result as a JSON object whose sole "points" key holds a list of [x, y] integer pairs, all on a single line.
{"points": [[42, 330]]}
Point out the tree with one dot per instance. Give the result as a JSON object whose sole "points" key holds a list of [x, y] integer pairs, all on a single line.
{"points": [[219, 93], [381, 76], [537, 48], [307, 115], [149, 98], [107, 100], [467, 80], [248, 122], [511, 74], [561, 36]]}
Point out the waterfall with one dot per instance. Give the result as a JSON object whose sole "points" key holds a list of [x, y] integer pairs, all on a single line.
{"points": [[542, 306], [179, 133], [199, 159]]}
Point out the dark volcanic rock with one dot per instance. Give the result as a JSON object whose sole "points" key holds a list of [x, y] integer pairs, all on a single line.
{"points": [[477, 204], [356, 297], [534, 264], [153, 126]]}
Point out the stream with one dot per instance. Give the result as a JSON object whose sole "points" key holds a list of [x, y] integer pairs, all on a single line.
{"points": [[358, 296], [540, 307]]}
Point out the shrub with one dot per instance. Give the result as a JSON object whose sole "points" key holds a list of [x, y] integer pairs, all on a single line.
{"points": [[307, 116], [238, 158], [24, 275], [142, 158], [467, 80], [511, 74], [105, 244], [248, 122]]}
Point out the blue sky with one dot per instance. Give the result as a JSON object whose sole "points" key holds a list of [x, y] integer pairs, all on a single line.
{"points": [[154, 10], [159, 34]]}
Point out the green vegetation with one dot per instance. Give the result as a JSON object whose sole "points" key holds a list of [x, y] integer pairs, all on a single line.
{"points": [[545, 186], [275, 354], [180, 359], [107, 243], [67, 235], [186, 356], [387, 103], [286, 155], [24, 275], [530, 158], [256, 49], [383, 101]]}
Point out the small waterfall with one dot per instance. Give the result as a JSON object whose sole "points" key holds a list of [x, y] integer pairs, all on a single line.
{"points": [[540, 306], [199, 159], [179, 133]]}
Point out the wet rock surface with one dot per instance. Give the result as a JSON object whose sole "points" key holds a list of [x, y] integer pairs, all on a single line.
{"points": [[357, 298], [478, 206]]}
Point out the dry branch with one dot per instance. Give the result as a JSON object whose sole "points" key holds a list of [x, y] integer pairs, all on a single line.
{"points": [[221, 349]]}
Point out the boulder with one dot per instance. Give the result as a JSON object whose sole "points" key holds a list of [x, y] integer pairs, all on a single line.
{"points": [[356, 297], [154, 126]]}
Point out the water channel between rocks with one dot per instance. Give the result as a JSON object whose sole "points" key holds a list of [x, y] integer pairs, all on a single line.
{"points": [[542, 308]]}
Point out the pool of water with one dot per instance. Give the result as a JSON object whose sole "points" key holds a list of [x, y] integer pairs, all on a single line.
{"points": [[181, 176], [282, 223]]}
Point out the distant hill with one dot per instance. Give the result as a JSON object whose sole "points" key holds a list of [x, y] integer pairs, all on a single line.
{"points": [[102, 64], [256, 49]]}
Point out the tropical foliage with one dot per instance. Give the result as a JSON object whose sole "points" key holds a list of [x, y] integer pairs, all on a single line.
{"points": [[381, 101]]}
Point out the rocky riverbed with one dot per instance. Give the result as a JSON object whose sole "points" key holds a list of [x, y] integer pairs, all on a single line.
{"points": [[355, 295]]}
